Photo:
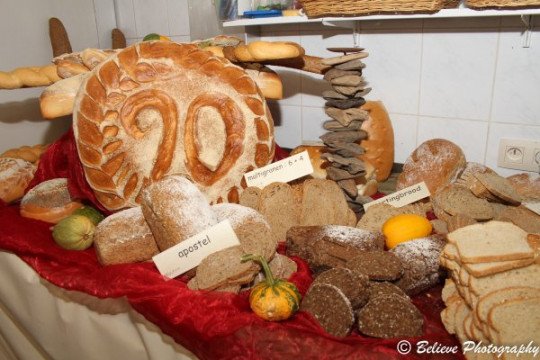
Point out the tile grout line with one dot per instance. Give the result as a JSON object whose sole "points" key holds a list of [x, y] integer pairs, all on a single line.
{"points": [[490, 115], [420, 72]]}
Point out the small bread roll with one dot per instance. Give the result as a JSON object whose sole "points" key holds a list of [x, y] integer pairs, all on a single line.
{"points": [[314, 152], [49, 201], [437, 162], [15, 175]]}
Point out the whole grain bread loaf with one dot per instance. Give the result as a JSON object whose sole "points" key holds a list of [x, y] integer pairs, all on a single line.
{"points": [[175, 210], [277, 205], [328, 246], [124, 237]]}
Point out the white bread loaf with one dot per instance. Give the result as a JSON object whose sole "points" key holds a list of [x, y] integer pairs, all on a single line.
{"points": [[123, 238], [58, 99], [176, 210]]}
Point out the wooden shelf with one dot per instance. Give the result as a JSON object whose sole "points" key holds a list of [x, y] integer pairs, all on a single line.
{"points": [[335, 21]]}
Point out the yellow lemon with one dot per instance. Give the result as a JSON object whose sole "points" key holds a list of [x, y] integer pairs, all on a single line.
{"points": [[405, 227]]}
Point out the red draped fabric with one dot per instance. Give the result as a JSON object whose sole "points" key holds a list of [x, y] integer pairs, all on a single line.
{"points": [[212, 325]]}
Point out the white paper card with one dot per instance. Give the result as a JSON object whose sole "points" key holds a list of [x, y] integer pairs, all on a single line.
{"points": [[189, 253], [403, 197], [285, 170], [533, 206]]}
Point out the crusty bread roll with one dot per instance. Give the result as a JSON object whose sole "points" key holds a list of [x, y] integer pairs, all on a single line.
{"points": [[15, 175], [379, 144], [314, 152], [175, 210], [58, 99], [49, 201], [268, 81], [266, 50], [158, 108], [437, 162], [123, 238]]}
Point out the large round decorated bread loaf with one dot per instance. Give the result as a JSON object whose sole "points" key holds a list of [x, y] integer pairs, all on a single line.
{"points": [[159, 108]]}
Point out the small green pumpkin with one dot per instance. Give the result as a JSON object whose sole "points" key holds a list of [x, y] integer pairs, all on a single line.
{"points": [[76, 232], [272, 299]]}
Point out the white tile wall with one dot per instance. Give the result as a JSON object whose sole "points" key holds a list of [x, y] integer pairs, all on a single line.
{"points": [[468, 80], [137, 18]]}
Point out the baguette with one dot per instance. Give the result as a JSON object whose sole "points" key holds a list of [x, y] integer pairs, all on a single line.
{"points": [[58, 99]]}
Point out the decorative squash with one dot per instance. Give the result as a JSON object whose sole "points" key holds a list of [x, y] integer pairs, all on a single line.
{"points": [[272, 299], [76, 232], [405, 227]]}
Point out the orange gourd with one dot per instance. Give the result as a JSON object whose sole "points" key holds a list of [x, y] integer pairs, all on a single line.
{"points": [[405, 227]]}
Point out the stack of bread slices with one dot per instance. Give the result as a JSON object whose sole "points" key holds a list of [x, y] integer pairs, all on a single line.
{"points": [[493, 295]]}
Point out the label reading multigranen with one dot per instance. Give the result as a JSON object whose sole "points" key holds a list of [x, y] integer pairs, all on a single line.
{"points": [[403, 197], [288, 169], [190, 252]]}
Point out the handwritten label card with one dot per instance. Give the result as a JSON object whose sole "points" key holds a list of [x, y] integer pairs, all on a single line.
{"points": [[403, 197], [285, 170], [190, 252]]}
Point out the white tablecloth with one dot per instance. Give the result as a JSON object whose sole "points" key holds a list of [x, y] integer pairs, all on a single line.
{"points": [[41, 321]]}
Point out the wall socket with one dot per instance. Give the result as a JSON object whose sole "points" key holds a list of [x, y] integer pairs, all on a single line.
{"points": [[519, 154]]}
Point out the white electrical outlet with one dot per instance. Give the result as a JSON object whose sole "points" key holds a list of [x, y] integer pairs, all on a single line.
{"points": [[519, 154]]}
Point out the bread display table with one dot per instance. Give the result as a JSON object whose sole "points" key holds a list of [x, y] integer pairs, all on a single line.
{"points": [[211, 325]]}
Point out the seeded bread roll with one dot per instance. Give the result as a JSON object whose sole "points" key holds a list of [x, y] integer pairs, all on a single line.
{"points": [[15, 175], [49, 201], [437, 162], [175, 210], [123, 238]]}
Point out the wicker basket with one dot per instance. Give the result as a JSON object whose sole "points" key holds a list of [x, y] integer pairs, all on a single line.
{"points": [[320, 8], [501, 4]]}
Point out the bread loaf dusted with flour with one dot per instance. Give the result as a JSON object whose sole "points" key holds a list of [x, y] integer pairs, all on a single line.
{"points": [[175, 210], [124, 237], [158, 108]]}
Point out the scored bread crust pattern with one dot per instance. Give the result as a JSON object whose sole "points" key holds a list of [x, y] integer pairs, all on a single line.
{"points": [[108, 129]]}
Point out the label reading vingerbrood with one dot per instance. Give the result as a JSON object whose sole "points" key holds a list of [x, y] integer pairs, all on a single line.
{"points": [[403, 197], [285, 170], [189, 253]]}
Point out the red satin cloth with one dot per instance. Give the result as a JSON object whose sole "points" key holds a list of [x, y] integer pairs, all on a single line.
{"points": [[211, 325]]}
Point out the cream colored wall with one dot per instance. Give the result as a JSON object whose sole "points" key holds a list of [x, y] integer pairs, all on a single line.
{"points": [[25, 42]]}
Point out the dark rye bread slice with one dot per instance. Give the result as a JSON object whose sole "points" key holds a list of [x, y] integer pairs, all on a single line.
{"points": [[250, 226], [377, 265], [322, 203], [250, 197], [216, 269], [420, 261], [277, 205], [330, 307], [500, 187], [353, 284], [457, 199], [381, 288], [390, 316], [330, 246]]}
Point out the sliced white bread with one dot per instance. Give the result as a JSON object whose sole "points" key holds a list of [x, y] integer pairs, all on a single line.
{"points": [[525, 276], [490, 268], [516, 321], [448, 290], [491, 241], [448, 315], [497, 297]]}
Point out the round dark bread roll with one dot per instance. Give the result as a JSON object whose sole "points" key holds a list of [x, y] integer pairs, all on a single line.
{"points": [[390, 316], [330, 307], [353, 284], [437, 162]]}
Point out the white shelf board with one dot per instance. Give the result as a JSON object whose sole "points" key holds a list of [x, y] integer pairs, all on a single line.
{"points": [[445, 13]]}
